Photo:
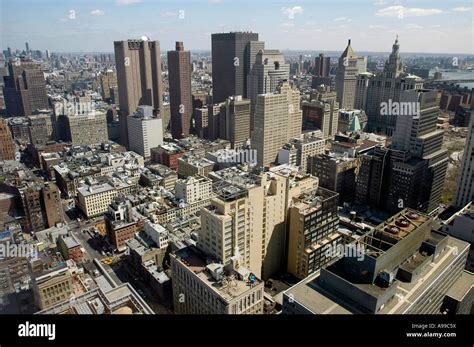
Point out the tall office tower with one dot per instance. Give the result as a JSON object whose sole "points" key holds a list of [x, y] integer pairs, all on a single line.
{"points": [[277, 120], [322, 65], [145, 131], [402, 266], [465, 189], [213, 121], [7, 146], [387, 87], [108, 81], [268, 71], [138, 64], [346, 78], [53, 207], [201, 118], [235, 121], [322, 112], [362, 86], [233, 55], [181, 104], [411, 172], [25, 88], [336, 172], [312, 224], [419, 136], [42, 128], [83, 129], [27, 46]]}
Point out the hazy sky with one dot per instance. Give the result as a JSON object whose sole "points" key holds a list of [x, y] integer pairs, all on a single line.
{"points": [[440, 26]]}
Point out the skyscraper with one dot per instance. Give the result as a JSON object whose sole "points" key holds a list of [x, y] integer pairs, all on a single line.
{"points": [[277, 120], [138, 64], [234, 121], [322, 65], [145, 131], [411, 172], [322, 112], [25, 88], [181, 105], [465, 189], [268, 71], [346, 78], [233, 55], [385, 87]]}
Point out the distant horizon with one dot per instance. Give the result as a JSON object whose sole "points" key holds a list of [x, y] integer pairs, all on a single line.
{"points": [[361, 53]]}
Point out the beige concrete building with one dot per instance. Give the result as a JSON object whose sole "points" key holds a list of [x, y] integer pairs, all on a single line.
{"points": [[298, 152], [85, 129], [193, 189], [248, 217], [211, 288], [277, 120], [190, 165], [95, 198], [50, 288]]}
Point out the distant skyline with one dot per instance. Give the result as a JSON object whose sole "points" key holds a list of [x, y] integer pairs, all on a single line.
{"points": [[423, 26]]}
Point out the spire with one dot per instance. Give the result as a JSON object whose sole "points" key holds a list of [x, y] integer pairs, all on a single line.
{"points": [[348, 52]]}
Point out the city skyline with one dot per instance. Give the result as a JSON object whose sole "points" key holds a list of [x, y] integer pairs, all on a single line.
{"points": [[89, 26]]}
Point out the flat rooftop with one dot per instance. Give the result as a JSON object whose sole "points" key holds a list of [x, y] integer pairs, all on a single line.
{"points": [[310, 294], [228, 288]]}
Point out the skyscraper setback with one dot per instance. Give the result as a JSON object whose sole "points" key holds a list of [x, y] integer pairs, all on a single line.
{"points": [[181, 107], [233, 55], [25, 88], [138, 64]]}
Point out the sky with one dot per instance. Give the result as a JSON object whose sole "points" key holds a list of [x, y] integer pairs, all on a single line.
{"points": [[424, 26]]}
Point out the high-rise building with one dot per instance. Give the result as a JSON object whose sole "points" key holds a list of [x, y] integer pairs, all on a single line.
{"points": [[268, 71], [7, 146], [234, 121], [411, 172], [277, 120], [53, 207], [145, 131], [233, 55], [108, 81], [465, 188], [322, 66], [346, 78], [336, 172], [362, 86], [83, 129], [181, 104], [299, 152], [42, 128], [400, 267], [138, 64], [313, 223], [322, 112], [25, 88], [384, 88]]}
